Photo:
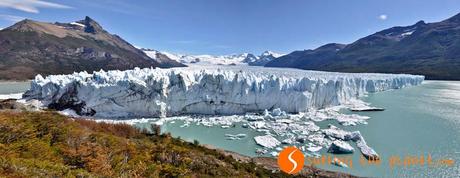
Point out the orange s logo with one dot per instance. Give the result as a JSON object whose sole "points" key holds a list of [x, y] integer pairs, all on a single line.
{"points": [[291, 160]]}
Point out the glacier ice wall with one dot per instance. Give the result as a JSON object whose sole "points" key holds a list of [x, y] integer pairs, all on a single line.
{"points": [[206, 90]]}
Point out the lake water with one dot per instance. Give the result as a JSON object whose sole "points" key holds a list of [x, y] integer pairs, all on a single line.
{"points": [[422, 120], [13, 87]]}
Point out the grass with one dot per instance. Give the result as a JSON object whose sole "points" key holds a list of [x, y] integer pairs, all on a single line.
{"points": [[46, 144]]}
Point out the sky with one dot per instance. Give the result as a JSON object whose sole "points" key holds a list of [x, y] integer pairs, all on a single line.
{"points": [[234, 26]]}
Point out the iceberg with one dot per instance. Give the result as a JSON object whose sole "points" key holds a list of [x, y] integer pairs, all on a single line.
{"points": [[340, 147], [267, 141], [338, 162], [206, 90], [342, 136]]}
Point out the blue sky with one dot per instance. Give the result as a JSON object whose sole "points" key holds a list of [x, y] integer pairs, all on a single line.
{"points": [[234, 26]]}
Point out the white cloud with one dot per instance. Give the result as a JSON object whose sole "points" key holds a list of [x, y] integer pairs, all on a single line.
{"points": [[11, 18], [383, 17], [31, 6]]}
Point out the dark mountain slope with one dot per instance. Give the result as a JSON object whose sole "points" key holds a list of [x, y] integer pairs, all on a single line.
{"points": [[29, 47], [430, 49]]}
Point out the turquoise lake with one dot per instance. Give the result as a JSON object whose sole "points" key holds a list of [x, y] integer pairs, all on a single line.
{"points": [[422, 120]]}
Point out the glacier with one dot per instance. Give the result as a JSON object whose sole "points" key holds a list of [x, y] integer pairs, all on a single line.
{"points": [[207, 90]]}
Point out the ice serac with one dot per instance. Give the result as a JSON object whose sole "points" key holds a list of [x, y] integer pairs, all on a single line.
{"points": [[206, 90]]}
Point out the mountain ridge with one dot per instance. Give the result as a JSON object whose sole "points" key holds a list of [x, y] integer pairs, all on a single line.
{"points": [[429, 49], [30, 47], [205, 59]]}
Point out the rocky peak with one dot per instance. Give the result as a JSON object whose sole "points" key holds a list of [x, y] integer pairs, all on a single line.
{"points": [[267, 53], [420, 23], [24, 25], [91, 26]]}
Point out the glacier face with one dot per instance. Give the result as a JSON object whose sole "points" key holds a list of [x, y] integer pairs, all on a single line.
{"points": [[206, 90]]}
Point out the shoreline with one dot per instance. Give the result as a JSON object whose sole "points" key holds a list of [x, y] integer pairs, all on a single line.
{"points": [[271, 164], [10, 105]]}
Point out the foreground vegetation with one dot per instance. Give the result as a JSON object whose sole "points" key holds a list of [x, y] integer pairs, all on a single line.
{"points": [[46, 144]]}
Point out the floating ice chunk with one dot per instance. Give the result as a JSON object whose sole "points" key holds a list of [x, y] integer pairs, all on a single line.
{"points": [[318, 139], [253, 118], [289, 140], [335, 132], [267, 141], [366, 108], [301, 139], [278, 112], [338, 162], [261, 151], [351, 119], [311, 126], [287, 121], [257, 125], [314, 148], [340, 147], [235, 137], [356, 137], [367, 151]]}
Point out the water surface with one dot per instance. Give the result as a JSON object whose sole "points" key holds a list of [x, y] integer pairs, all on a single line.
{"points": [[421, 120]]}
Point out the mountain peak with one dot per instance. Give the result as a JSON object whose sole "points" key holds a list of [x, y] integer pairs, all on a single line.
{"points": [[270, 53], [89, 19], [419, 23], [91, 26], [24, 25]]}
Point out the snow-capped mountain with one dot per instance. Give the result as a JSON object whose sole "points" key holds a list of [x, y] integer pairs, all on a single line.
{"points": [[234, 59], [264, 58]]}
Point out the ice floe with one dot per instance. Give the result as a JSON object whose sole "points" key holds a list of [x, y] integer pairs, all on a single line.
{"points": [[340, 147], [338, 162], [267, 141], [281, 104]]}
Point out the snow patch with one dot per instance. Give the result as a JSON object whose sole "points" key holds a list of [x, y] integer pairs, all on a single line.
{"points": [[78, 24]]}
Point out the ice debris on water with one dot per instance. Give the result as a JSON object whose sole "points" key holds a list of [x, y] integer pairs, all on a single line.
{"points": [[267, 141], [282, 104], [338, 162]]}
